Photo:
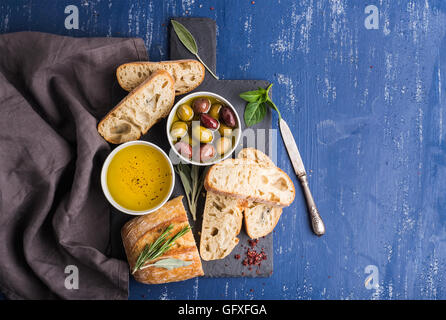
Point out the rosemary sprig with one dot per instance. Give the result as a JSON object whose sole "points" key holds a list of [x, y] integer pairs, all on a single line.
{"points": [[192, 183], [158, 247]]}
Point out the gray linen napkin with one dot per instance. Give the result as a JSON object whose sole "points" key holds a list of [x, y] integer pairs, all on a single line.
{"points": [[53, 214]]}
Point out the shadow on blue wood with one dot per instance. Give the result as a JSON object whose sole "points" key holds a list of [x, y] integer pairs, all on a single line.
{"points": [[367, 110]]}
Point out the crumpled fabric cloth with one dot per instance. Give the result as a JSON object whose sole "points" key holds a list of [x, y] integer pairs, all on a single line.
{"points": [[53, 214]]}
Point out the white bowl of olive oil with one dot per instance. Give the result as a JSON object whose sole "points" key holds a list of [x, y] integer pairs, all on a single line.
{"points": [[137, 177]]}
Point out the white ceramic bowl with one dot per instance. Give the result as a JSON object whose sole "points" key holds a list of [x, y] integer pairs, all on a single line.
{"points": [[200, 94], [105, 185]]}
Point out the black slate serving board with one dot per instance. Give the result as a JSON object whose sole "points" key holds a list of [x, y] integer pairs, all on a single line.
{"points": [[204, 31]]}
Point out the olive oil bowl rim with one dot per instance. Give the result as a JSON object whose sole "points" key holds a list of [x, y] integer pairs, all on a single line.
{"points": [[104, 183], [199, 94]]}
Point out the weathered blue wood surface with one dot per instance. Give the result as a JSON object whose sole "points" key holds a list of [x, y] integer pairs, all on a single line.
{"points": [[367, 110]]}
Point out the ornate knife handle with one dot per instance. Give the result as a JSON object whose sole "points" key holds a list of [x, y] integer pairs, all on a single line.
{"points": [[316, 220]]}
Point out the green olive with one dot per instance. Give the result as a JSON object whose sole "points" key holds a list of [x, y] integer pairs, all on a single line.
{"points": [[175, 118], [215, 110], [185, 112], [202, 134], [178, 129], [224, 130], [223, 145]]}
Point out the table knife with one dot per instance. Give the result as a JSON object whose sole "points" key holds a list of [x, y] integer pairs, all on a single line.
{"points": [[298, 165]]}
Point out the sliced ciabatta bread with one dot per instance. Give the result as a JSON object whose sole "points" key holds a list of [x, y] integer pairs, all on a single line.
{"points": [[140, 110], [222, 221], [248, 180], [256, 155], [188, 74], [260, 219]]}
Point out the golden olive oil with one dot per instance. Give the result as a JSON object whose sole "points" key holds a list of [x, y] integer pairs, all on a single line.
{"points": [[139, 177]]}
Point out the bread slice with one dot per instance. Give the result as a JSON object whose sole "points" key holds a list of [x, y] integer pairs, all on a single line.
{"points": [[247, 179], [256, 155], [140, 110], [222, 221], [188, 74], [260, 219]]}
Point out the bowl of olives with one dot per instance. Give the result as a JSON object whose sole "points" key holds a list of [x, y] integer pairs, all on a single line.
{"points": [[203, 128]]}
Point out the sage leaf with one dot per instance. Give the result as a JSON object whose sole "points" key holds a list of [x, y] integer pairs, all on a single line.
{"points": [[185, 37], [188, 40], [254, 113], [185, 181], [169, 264], [192, 183]]}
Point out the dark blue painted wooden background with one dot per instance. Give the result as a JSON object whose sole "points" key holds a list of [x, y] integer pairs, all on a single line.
{"points": [[367, 110]]}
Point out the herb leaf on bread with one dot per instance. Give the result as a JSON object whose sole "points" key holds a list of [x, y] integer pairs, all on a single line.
{"points": [[254, 113], [168, 263]]}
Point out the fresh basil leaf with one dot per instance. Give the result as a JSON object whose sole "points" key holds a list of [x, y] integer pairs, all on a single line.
{"points": [[185, 37], [187, 169], [250, 110], [194, 179], [263, 98], [254, 113], [192, 183], [251, 96], [263, 95], [262, 112], [169, 264], [268, 89], [272, 105], [201, 181]]}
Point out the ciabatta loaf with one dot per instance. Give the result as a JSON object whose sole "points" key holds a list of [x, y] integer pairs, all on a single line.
{"points": [[144, 230], [247, 179], [140, 110], [260, 219], [188, 74], [222, 221], [222, 217]]}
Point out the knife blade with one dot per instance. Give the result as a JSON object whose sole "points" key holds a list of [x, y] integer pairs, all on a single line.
{"points": [[299, 168]]}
